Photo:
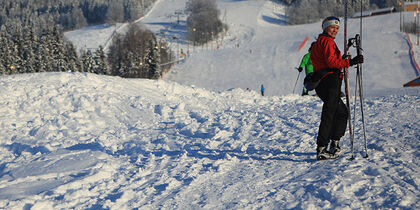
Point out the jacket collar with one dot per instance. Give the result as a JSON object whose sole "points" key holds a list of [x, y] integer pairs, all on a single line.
{"points": [[326, 34]]}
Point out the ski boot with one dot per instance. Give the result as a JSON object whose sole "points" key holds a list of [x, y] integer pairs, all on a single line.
{"points": [[323, 154], [335, 147]]}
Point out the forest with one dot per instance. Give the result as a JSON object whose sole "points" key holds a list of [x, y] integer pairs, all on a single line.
{"points": [[309, 11], [31, 38]]}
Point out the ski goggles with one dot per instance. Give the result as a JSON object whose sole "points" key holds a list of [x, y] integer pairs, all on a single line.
{"points": [[332, 18]]}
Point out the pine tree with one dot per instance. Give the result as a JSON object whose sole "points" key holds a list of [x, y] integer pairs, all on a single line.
{"points": [[2, 69], [44, 56], [152, 60], [73, 62], [3, 53], [116, 54], [16, 49], [88, 62], [101, 66], [12, 58], [56, 46], [124, 66], [30, 42], [130, 67]]}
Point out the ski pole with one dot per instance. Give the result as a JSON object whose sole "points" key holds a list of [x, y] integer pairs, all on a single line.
{"points": [[359, 81], [296, 82], [346, 77], [361, 107]]}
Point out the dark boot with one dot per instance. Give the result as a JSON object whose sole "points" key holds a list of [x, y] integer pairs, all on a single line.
{"points": [[323, 154], [305, 92], [335, 147]]}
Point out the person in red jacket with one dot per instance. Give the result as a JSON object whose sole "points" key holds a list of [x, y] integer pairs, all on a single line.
{"points": [[328, 64]]}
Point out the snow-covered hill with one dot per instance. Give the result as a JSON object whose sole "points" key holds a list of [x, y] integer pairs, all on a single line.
{"points": [[198, 140], [71, 140], [268, 49]]}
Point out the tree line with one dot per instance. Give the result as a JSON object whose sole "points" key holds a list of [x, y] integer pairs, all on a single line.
{"points": [[308, 11], [23, 51], [31, 39], [72, 14], [135, 54]]}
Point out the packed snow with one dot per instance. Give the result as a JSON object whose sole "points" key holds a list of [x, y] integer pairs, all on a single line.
{"points": [[198, 139]]}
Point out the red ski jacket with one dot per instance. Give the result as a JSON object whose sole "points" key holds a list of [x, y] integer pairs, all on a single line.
{"points": [[326, 55]]}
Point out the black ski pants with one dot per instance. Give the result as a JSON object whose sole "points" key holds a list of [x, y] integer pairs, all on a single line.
{"points": [[334, 112]]}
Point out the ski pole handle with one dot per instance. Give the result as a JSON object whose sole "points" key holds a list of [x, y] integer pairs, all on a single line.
{"points": [[358, 48]]}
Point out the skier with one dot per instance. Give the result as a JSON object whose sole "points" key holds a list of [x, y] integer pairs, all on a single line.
{"points": [[328, 62], [307, 64], [262, 90]]}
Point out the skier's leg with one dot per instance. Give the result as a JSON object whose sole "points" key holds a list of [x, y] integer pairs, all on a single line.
{"points": [[327, 91], [340, 121], [304, 91], [339, 127]]}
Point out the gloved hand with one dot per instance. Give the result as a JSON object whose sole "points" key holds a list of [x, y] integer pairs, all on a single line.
{"points": [[300, 69], [356, 60], [346, 56]]}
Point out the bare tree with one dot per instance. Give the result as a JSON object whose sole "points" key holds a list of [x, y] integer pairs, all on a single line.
{"points": [[203, 21], [115, 12], [308, 11], [136, 54]]}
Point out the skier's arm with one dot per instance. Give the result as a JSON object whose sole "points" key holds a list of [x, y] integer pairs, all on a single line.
{"points": [[333, 57], [304, 61]]}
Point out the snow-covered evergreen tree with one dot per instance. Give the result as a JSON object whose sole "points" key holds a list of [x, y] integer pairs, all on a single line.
{"points": [[20, 61], [2, 69], [152, 60], [44, 56], [57, 48], [3, 50], [88, 62], [101, 67], [73, 62], [12, 58], [30, 43]]}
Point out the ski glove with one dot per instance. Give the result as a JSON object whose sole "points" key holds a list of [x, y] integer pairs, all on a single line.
{"points": [[300, 69], [356, 60], [346, 56]]}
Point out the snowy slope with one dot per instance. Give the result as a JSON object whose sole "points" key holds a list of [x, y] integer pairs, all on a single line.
{"points": [[268, 48], [275, 55], [83, 140], [72, 140]]}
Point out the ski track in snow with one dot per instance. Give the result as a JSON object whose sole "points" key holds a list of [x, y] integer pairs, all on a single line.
{"points": [[84, 141]]}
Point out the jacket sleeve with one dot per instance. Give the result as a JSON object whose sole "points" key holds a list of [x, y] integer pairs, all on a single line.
{"points": [[333, 56], [305, 60]]}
